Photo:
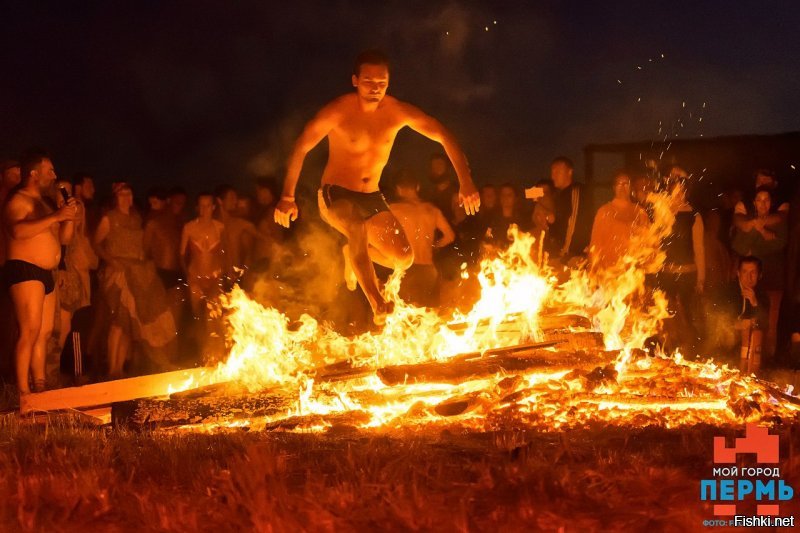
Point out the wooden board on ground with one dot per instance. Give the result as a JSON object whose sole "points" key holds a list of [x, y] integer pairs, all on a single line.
{"points": [[110, 391], [152, 413]]}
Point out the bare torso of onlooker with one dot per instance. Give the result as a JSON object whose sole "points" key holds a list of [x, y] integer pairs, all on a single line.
{"points": [[239, 234], [421, 221], [239, 238], [162, 237], [204, 245], [42, 249], [418, 219]]}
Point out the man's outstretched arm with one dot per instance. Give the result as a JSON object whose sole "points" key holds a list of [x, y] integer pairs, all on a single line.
{"points": [[431, 128], [315, 130]]}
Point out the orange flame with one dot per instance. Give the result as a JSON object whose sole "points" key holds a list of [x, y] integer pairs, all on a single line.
{"points": [[268, 351]]}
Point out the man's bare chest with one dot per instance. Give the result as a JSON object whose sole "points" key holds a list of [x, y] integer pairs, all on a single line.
{"points": [[39, 209], [363, 133]]}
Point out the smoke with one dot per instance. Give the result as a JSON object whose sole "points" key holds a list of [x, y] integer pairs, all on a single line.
{"points": [[453, 24], [303, 277], [277, 142]]}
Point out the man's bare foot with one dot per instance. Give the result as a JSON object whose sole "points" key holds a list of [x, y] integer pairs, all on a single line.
{"points": [[39, 385], [350, 278], [380, 312]]}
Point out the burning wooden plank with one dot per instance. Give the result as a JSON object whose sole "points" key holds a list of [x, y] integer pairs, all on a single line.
{"points": [[544, 322], [459, 371], [187, 410], [458, 405]]}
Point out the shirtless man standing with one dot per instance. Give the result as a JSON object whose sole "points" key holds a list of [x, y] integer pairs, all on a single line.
{"points": [[361, 128], [202, 238], [420, 221], [240, 234], [35, 234], [162, 235]]}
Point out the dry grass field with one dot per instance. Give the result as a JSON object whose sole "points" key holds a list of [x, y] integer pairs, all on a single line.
{"points": [[63, 475]]}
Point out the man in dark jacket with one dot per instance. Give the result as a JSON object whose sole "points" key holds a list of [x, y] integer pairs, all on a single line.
{"points": [[573, 210], [737, 309]]}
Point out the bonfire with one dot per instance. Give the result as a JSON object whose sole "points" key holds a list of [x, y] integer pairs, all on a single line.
{"points": [[532, 352]]}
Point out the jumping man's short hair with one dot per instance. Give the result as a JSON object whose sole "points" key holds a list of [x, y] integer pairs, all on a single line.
{"points": [[369, 57]]}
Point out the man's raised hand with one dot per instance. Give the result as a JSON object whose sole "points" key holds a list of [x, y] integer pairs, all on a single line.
{"points": [[469, 198], [285, 212]]}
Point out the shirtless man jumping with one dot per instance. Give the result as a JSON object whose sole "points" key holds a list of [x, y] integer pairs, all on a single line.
{"points": [[35, 234], [361, 128]]}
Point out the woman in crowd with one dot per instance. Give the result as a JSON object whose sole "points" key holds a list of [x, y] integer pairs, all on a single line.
{"points": [[767, 241], [73, 286], [202, 253], [133, 292]]}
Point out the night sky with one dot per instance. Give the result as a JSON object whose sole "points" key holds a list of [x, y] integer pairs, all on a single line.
{"points": [[198, 93]]}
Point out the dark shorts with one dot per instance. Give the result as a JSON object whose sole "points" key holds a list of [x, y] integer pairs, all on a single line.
{"points": [[16, 271], [367, 204]]}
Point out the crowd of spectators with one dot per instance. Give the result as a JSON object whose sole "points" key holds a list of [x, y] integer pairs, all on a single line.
{"points": [[134, 286], [717, 304]]}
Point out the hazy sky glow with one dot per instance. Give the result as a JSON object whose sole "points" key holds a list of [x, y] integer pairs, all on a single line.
{"points": [[202, 92]]}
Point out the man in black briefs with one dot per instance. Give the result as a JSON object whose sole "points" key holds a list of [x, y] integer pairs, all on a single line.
{"points": [[34, 235], [361, 128]]}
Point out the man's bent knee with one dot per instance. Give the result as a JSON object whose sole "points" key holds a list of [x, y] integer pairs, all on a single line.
{"points": [[404, 258]]}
